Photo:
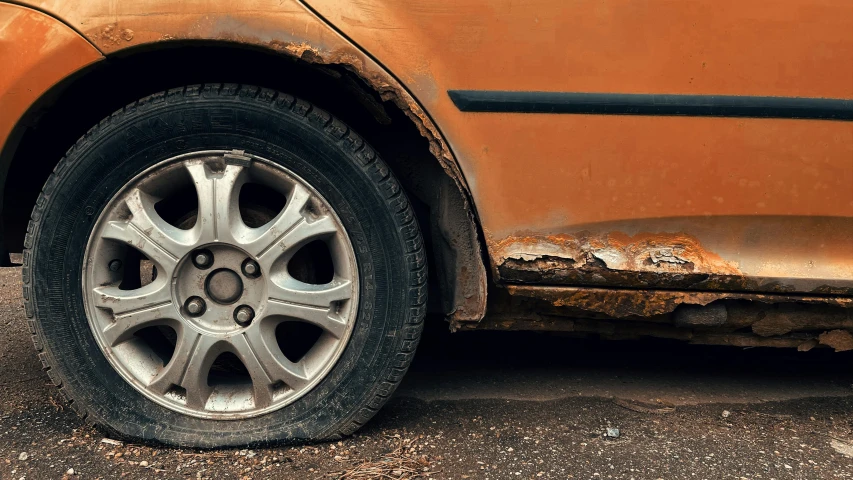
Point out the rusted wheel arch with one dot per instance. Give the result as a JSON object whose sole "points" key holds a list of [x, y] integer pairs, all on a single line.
{"points": [[382, 109]]}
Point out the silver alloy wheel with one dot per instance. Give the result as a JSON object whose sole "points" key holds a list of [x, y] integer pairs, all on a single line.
{"points": [[210, 284]]}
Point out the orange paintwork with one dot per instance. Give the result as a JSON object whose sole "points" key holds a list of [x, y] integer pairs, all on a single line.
{"points": [[36, 52], [281, 25], [539, 174], [771, 198]]}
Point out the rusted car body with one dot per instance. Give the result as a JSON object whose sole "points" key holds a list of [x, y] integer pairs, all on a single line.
{"points": [[624, 163]]}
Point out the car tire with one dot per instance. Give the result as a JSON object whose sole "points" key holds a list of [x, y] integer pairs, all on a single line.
{"points": [[224, 128]]}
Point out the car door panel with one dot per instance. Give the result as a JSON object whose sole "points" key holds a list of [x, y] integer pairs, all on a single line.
{"points": [[652, 201]]}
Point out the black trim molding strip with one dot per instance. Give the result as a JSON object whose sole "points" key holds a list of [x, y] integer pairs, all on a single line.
{"points": [[652, 104]]}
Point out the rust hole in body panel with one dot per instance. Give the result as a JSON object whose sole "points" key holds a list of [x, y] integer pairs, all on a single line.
{"points": [[646, 261], [597, 259]]}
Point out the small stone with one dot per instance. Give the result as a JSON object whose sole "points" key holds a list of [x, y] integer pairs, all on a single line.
{"points": [[612, 432], [143, 463], [23, 456], [726, 413], [70, 471], [844, 448]]}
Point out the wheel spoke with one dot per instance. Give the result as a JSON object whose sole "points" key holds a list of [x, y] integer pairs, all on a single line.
{"points": [[318, 296], [137, 238], [265, 356], [318, 316], [301, 234], [189, 367], [135, 309], [145, 217], [259, 241], [218, 202], [310, 303], [147, 232]]}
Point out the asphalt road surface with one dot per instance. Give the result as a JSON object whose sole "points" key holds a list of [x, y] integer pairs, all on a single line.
{"points": [[493, 405]]}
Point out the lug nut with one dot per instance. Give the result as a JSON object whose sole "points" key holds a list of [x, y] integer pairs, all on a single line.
{"points": [[115, 265], [251, 269], [195, 306], [202, 259], [244, 315]]}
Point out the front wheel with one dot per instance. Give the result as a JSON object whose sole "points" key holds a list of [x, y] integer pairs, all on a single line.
{"points": [[224, 265]]}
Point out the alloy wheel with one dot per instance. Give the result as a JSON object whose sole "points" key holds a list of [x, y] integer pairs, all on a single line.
{"points": [[215, 302]]}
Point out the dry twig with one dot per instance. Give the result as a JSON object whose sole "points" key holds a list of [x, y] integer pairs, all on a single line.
{"points": [[644, 408], [402, 463]]}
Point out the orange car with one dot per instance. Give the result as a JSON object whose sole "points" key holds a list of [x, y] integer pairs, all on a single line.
{"points": [[235, 216]]}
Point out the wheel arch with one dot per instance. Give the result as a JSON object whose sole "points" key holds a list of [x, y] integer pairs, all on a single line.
{"points": [[372, 102]]}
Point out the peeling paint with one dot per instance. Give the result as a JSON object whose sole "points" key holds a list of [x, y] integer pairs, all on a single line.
{"points": [[645, 260], [111, 33], [618, 251], [672, 260]]}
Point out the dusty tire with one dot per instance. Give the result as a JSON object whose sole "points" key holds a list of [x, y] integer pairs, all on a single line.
{"points": [[334, 160]]}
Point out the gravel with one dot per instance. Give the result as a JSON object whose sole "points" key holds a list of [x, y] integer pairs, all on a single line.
{"points": [[493, 405]]}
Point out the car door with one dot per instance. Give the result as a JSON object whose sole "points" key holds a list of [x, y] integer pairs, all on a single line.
{"points": [[702, 144]]}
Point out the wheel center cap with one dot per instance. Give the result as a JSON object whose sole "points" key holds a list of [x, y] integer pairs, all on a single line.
{"points": [[224, 286]]}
